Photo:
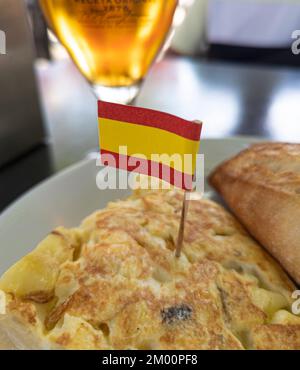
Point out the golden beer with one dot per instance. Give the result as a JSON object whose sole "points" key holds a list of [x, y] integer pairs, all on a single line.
{"points": [[113, 42]]}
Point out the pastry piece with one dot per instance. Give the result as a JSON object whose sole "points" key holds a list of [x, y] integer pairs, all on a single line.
{"points": [[114, 283], [261, 185]]}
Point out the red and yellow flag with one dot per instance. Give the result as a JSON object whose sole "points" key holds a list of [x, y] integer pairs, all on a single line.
{"points": [[149, 142]]}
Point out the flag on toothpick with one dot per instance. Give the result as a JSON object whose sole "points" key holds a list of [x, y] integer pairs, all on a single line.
{"points": [[149, 142]]}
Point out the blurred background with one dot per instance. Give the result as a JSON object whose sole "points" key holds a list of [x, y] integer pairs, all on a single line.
{"points": [[234, 64]]}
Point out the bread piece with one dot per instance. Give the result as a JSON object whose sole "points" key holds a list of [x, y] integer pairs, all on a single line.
{"points": [[261, 185], [114, 283]]}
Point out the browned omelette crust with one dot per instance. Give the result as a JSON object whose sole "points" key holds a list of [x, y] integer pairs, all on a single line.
{"points": [[120, 286], [262, 187]]}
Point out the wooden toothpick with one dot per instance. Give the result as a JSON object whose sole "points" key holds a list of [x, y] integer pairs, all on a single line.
{"points": [[184, 212]]}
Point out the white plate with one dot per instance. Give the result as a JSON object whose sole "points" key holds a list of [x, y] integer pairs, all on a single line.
{"points": [[66, 198]]}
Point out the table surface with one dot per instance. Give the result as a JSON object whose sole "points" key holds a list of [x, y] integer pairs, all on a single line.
{"points": [[231, 99]]}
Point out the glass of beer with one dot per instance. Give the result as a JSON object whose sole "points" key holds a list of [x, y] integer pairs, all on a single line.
{"points": [[112, 42]]}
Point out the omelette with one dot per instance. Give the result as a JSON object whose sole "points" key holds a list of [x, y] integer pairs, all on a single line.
{"points": [[115, 283]]}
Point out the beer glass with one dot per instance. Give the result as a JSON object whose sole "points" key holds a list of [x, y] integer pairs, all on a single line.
{"points": [[112, 42]]}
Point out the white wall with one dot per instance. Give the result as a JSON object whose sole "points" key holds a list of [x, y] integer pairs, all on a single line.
{"points": [[260, 23]]}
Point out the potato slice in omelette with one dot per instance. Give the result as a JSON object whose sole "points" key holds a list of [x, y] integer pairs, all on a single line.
{"points": [[114, 283]]}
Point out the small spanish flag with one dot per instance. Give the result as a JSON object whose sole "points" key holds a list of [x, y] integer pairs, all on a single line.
{"points": [[149, 142]]}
